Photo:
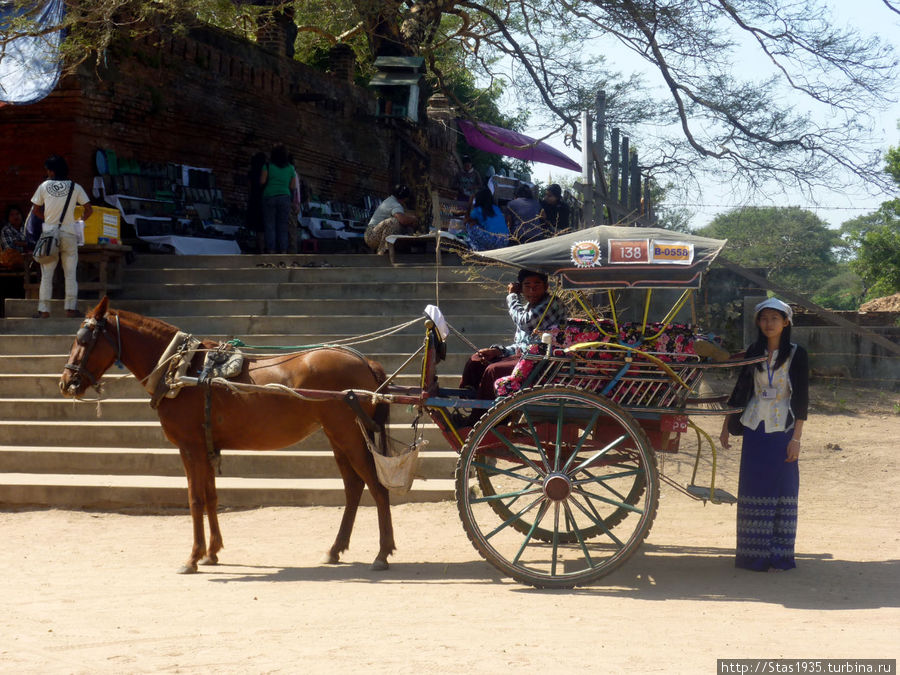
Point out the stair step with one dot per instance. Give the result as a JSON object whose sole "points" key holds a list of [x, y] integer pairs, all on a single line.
{"points": [[403, 343], [425, 293], [149, 434], [331, 326], [113, 492], [332, 275], [111, 409], [116, 384], [244, 260], [121, 384], [370, 307], [46, 364], [438, 464]]}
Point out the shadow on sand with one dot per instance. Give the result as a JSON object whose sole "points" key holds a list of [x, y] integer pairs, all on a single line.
{"points": [[655, 573]]}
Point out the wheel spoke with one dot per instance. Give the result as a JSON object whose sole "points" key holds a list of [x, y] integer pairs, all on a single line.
{"points": [[600, 524], [577, 530], [537, 441], [516, 451], [597, 455], [622, 505], [512, 496], [559, 430], [587, 432], [555, 538], [602, 483], [606, 477], [537, 521], [597, 518], [507, 472], [514, 517]]}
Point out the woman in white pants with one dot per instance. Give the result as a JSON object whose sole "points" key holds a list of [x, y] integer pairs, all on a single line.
{"points": [[49, 201]]}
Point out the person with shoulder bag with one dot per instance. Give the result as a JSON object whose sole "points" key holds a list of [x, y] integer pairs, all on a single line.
{"points": [[775, 394], [54, 202]]}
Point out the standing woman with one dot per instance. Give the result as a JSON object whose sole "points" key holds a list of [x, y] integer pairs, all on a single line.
{"points": [[776, 396], [279, 178], [54, 201]]}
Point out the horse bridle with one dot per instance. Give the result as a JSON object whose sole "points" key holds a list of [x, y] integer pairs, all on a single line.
{"points": [[91, 329]]}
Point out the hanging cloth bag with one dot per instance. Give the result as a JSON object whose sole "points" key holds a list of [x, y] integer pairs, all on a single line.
{"points": [[46, 250]]}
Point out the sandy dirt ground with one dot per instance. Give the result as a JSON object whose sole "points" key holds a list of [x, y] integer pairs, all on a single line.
{"points": [[87, 592]]}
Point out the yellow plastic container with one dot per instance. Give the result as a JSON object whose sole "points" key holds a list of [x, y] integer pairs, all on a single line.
{"points": [[103, 224]]}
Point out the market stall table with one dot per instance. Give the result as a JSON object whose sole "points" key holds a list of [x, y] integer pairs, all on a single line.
{"points": [[105, 264]]}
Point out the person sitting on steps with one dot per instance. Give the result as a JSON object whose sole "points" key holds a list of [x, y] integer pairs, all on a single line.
{"points": [[391, 217]]}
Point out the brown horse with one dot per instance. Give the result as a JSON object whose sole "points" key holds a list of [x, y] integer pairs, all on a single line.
{"points": [[242, 419]]}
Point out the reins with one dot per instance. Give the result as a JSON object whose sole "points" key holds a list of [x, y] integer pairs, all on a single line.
{"points": [[97, 327], [347, 342]]}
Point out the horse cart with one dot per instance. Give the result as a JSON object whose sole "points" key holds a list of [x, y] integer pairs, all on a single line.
{"points": [[557, 482]]}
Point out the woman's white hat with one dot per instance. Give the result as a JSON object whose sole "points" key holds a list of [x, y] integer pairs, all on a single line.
{"points": [[775, 303]]}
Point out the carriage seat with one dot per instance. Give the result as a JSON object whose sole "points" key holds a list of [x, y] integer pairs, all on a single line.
{"points": [[675, 344]]}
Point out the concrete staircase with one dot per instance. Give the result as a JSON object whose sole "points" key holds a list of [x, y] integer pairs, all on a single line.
{"points": [[57, 452]]}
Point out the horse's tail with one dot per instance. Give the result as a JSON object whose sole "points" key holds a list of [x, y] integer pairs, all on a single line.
{"points": [[382, 413]]}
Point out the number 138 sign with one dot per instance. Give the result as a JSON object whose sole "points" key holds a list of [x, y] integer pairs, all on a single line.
{"points": [[629, 251], [656, 252]]}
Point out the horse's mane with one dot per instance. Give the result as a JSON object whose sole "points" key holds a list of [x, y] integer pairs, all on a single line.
{"points": [[154, 327]]}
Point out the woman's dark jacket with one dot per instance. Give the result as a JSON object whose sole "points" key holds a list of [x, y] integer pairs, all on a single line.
{"points": [[798, 373]]}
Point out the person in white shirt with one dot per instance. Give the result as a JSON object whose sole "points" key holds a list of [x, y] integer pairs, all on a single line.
{"points": [[391, 217], [50, 199]]}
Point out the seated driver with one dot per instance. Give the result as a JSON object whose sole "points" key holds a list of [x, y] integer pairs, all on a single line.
{"points": [[531, 319]]}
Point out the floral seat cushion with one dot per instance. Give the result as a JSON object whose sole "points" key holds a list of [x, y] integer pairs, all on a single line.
{"points": [[674, 344]]}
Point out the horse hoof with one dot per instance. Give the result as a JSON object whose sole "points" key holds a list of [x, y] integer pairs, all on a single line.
{"points": [[210, 560], [188, 569], [330, 559], [379, 565]]}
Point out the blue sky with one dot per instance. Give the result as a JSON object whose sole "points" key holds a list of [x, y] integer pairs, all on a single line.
{"points": [[869, 16]]}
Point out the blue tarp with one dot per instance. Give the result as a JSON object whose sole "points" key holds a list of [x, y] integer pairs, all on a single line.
{"points": [[30, 66]]}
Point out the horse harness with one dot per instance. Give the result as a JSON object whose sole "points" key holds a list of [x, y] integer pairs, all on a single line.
{"points": [[225, 361], [91, 329]]}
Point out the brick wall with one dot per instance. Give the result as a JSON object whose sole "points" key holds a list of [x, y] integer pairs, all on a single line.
{"points": [[210, 100]]}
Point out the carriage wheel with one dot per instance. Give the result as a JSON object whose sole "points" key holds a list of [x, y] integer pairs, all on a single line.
{"points": [[571, 476]]}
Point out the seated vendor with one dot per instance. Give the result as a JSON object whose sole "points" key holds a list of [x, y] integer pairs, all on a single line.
{"points": [[12, 234], [391, 217], [486, 225], [524, 217], [530, 319]]}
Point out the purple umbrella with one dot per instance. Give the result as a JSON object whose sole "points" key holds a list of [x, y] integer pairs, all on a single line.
{"points": [[500, 141]]}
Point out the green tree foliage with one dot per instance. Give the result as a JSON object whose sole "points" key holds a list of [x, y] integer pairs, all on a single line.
{"points": [[844, 291], [794, 247], [93, 26], [893, 163], [872, 243]]}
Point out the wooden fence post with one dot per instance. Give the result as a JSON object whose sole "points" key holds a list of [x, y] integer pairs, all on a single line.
{"points": [[623, 198], [587, 171]]}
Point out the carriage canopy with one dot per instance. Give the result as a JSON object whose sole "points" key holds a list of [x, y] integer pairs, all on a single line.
{"points": [[616, 257]]}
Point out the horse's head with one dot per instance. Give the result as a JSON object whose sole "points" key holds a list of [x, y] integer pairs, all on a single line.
{"points": [[97, 346]]}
